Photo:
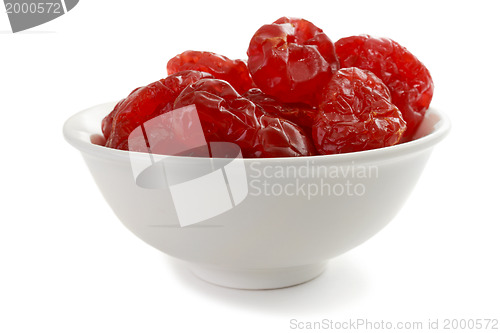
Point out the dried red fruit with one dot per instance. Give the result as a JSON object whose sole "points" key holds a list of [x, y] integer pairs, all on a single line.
{"points": [[356, 114], [298, 113], [107, 122], [408, 80], [279, 137], [291, 59], [145, 103], [377, 99], [233, 71], [226, 116]]}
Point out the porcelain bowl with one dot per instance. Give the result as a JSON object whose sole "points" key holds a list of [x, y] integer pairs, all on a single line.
{"points": [[254, 223]]}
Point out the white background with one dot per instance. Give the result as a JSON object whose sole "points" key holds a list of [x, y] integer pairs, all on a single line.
{"points": [[68, 265]]}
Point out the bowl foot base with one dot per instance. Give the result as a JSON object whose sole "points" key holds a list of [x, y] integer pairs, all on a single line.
{"points": [[258, 278]]}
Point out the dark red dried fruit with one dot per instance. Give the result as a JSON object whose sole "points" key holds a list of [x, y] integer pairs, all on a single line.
{"points": [[356, 114], [408, 80], [377, 98], [291, 59], [226, 116], [107, 122], [279, 137], [145, 103], [298, 113], [233, 71]]}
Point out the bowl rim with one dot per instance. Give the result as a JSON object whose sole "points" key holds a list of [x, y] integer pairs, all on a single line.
{"points": [[78, 132]]}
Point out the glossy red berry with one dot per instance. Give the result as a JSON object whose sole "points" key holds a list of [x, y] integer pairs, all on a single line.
{"points": [[291, 59], [408, 80], [298, 113], [145, 103], [356, 114], [278, 137], [233, 71], [226, 116], [299, 95]]}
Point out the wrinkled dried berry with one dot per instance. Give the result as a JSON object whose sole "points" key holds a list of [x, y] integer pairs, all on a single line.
{"points": [[145, 103], [356, 114], [408, 80], [291, 59], [279, 137], [290, 100], [107, 122], [233, 71], [298, 113], [226, 116]]}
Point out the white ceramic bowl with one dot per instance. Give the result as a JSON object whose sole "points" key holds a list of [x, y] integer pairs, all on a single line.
{"points": [[286, 216]]}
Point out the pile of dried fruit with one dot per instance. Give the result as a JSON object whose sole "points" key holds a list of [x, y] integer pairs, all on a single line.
{"points": [[299, 94]]}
